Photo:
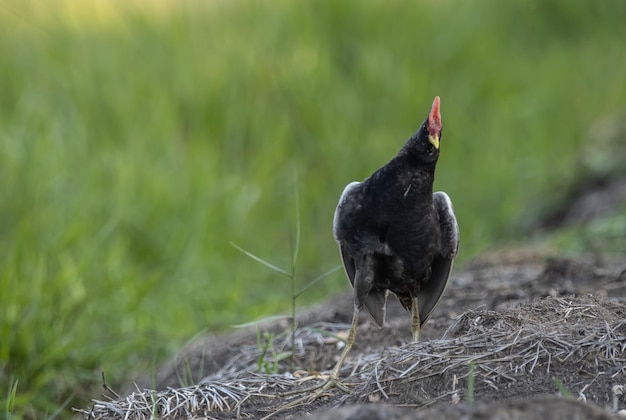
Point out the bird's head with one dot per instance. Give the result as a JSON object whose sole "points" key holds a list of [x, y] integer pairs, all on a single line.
{"points": [[424, 145]]}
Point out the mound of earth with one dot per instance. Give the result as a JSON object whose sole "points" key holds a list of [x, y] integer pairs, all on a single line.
{"points": [[516, 336]]}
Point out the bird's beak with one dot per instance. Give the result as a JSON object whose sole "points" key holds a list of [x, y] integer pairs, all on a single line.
{"points": [[434, 123], [434, 140]]}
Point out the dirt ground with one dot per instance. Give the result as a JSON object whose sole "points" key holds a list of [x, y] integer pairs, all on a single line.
{"points": [[519, 334]]}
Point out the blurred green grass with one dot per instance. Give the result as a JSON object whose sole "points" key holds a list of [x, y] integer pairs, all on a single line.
{"points": [[138, 139]]}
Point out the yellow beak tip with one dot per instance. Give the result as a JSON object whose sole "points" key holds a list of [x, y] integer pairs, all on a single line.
{"points": [[434, 140]]}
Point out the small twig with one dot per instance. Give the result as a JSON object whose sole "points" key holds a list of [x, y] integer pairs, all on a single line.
{"points": [[380, 388], [108, 388], [581, 393]]}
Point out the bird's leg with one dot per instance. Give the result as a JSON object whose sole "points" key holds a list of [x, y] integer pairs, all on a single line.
{"points": [[334, 376], [333, 379], [415, 325]]}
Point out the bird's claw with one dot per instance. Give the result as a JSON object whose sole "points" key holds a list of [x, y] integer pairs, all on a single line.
{"points": [[331, 383]]}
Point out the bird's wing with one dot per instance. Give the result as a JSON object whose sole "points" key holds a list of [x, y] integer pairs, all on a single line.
{"points": [[371, 298], [348, 263], [361, 276], [448, 224], [366, 295], [431, 291], [346, 196], [347, 258]]}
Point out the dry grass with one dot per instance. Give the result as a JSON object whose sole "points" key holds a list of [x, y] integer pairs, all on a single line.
{"points": [[541, 340]]}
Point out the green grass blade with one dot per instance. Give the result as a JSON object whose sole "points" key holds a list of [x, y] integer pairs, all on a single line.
{"points": [[61, 408], [261, 260], [296, 248], [258, 322], [471, 377], [319, 278], [562, 388], [11, 399], [328, 334]]}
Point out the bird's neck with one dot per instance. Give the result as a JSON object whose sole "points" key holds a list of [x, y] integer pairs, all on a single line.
{"points": [[416, 162], [421, 171], [407, 179]]}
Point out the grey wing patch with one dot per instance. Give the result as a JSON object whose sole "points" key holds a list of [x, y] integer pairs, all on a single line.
{"points": [[345, 196], [346, 256], [432, 291], [448, 224]]}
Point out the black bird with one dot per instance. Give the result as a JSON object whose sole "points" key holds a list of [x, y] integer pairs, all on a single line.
{"points": [[396, 236]]}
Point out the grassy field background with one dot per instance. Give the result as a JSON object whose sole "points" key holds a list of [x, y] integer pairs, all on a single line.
{"points": [[137, 139]]}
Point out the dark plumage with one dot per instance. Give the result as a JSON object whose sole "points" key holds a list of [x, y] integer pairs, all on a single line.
{"points": [[395, 234]]}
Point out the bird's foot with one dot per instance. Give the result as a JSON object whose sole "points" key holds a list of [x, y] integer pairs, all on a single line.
{"points": [[332, 382], [329, 381]]}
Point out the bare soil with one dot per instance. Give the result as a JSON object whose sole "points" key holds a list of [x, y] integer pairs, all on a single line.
{"points": [[519, 334]]}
